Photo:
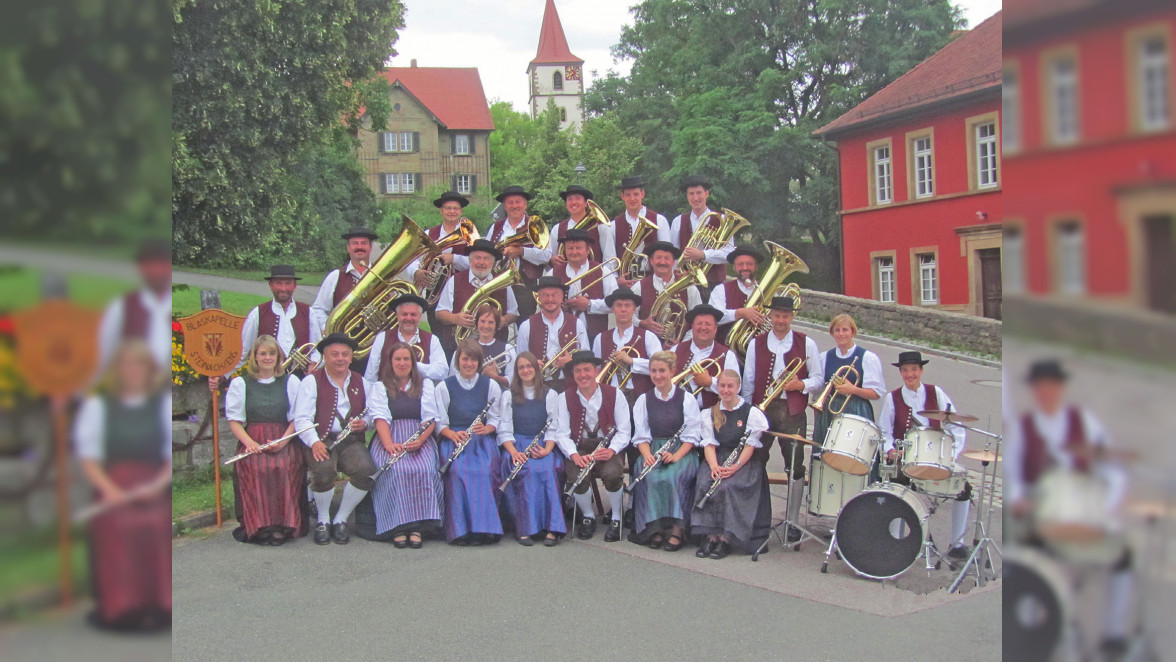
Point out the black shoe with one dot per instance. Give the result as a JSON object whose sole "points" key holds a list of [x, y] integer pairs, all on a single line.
{"points": [[1114, 648], [656, 540], [793, 535], [340, 533], [551, 541], [526, 541], [629, 519], [673, 546], [401, 543], [614, 531], [587, 528], [322, 534], [415, 544], [959, 552], [706, 548], [721, 550]]}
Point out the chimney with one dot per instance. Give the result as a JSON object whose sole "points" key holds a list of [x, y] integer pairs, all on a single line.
{"points": [[412, 63]]}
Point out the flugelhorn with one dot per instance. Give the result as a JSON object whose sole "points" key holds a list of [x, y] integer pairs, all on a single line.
{"points": [[299, 358], [438, 272], [781, 264], [708, 238], [535, 234], [484, 295], [550, 369], [499, 360], [686, 375], [669, 310], [828, 398], [775, 388], [614, 368]]}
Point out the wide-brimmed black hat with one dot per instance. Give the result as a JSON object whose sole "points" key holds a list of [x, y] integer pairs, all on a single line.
{"points": [[282, 271], [336, 339], [360, 231], [663, 246], [576, 234], [409, 298], [704, 309], [622, 293], [1047, 369], [154, 248], [545, 282], [743, 250], [583, 356], [905, 358], [636, 181], [575, 189], [695, 180], [451, 195], [786, 304], [485, 246], [513, 190]]}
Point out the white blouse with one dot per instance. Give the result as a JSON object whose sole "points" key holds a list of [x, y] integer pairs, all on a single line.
{"points": [[690, 412], [235, 399], [756, 422], [428, 400], [506, 413], [443, 400], [89, 428]]}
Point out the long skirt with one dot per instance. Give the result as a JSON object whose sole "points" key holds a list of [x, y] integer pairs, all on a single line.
{"points": [[533, 498], [470, 484], [740, 509], [269, 488], [130, 552], [409, 496], [665, 497]]}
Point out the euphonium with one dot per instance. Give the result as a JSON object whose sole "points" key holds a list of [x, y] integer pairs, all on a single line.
{"points": [[465, 233], [669, 311], [613, 367], [631, 259], [536, 235], [843, 373], [777, 386], [782, 264], [593, 218], [484, 295], [708, 238]]}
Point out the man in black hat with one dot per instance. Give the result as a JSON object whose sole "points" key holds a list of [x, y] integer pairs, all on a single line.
{"points": [[685, 225], [625, 337], [703, 321], [462, 285], [145, 313], [451, 204], [768, 357], [409, 310], [528, 259], [338, 283], [626, 223], [584, 415], [731, 295], [576, 200], [546, 333], [900, 413], [662, 257], [587, 281], [332, 398]]}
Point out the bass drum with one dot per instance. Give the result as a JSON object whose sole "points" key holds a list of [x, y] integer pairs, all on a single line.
{"points": [[830, 489], [1036, 599], [880, 532]]}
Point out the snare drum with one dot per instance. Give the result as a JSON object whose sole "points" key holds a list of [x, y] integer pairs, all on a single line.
{"points": [[1072, 515], [881, 532], [948, 487], [850, 444], [929, 454], [830, 489]]}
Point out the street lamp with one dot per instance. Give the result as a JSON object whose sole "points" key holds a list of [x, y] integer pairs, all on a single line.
{"points": [[580, 170]]}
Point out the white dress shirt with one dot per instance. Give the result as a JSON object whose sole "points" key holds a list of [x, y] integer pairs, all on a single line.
{"points": [[506, 415], [714, 255], [780, 347], [757, 422], [595, 306], [563, 420], [89, 428], [718, 299], [870, 367], [554, 342], [159, 329], [607, 236], [536, 256], [730, 362], [663, 231], [235, 399], [460, 262], [285, 331], [690, 412], [623, 337], [323, 304], [435, 369], [443, 400], [428, 399], [511, 353], [917, 400], [306, 407], [445, 302], [693, 298], [1054, 430]]}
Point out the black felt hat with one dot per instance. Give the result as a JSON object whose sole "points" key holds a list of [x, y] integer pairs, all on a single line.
{"points": [[663, 246], [744, 250], [695, 180], [704, 309], [636, 181], [545, 282], [905, 358], [451, 196], [360, 231], [409, 298], [622, 293], [336, 339], [282, 271], [575, 189], [485, 246], [786, 304], [513, 190], [576, 234], [583, 356], [1047, 369]]}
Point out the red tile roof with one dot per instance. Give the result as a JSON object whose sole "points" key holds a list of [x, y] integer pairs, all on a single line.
{"points": [[553, 45], [453, 95], [968, 64]]}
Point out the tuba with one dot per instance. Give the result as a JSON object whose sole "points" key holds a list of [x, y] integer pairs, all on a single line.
{"points": [[364, 313], [536, 235], [484, 296], [708, 238], [669, 311], [782, 264], [593, 218], [437, 270], [631, 259]]}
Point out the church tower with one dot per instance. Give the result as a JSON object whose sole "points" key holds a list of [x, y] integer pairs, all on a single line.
{"points": [[555, 74]]}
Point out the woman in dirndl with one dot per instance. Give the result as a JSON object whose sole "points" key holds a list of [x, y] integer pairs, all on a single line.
{"points": [[532, 498], [269, 486], [739, 514], [662, 501], [405, 503], [123, 439], [487, 321], [861, 388], [471, 509]]}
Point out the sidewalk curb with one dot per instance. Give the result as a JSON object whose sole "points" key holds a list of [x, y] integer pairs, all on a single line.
{"points": [[943, 353], [200, 520]]}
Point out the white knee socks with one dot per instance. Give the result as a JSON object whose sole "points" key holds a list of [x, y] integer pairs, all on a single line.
{"points": [[584, 501], [959, 521], [1119, 590], [617, 501], [323, 501], [352, 495]]}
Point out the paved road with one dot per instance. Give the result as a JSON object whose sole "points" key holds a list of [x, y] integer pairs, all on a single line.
{"points": [[304, 293]]}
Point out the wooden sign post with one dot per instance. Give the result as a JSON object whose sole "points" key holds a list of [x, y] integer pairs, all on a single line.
{"points": [[57, 353], [212, 346]]}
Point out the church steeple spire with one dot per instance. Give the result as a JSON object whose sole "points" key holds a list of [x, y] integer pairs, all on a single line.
{"points": [[553, 44], [556, 75]]}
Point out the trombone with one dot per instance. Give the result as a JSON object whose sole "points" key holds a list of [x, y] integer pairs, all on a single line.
{"points": [[606, 268], [549, 367], [828, 399], [689, 373]]}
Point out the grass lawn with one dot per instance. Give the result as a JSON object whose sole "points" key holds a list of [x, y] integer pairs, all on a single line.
{"points": [[21, 288], [187, 302], [194, 492], [308, 278], [35, 563]]}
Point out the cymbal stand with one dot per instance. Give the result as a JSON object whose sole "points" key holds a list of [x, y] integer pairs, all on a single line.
{"points": [[982, 543], [805, 534]]}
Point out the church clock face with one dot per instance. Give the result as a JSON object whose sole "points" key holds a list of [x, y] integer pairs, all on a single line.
{"points": [[572, 73]]}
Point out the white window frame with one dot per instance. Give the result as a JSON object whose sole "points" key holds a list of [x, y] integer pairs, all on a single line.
{"points": [[924, 168], [391, 183], [408, 182], [986, 168], [1155, 91], [465, 184], [883, 175], [397, 141], [1070, 249], [461, 144], [887, 279], [1010, 99], [1063, 93], [928, 279]]}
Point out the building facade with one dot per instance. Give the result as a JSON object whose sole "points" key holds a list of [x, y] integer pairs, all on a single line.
{"points": [[921, 180], [556, 75]]}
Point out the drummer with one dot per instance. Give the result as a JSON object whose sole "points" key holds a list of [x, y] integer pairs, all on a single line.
{"points": [[900, 413]]}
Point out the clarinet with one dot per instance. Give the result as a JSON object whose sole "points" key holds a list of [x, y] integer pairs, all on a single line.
{"points": [[392, 460], [731, 459], [519, 467], [670, 446], [479, 419], [343, 432], [591, 463]]}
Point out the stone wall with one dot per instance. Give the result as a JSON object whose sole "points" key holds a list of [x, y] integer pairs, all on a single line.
{"points": [[923, 325], [1139, 334]]}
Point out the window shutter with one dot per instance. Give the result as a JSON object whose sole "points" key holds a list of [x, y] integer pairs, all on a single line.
{"points": [[420, 182], [380, 142], [470, 139], [416, 141], [453, 182], [384, 183], [453, 143], [473, 182]]}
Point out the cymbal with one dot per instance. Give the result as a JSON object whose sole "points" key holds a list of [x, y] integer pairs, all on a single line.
{"points": [[982, 456], [793, 437], [1151, 509], [949, 416], [1103, 453]]}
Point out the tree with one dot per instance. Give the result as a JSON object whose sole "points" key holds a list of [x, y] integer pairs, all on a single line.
{"points": [[733, 90], [255, 84]]}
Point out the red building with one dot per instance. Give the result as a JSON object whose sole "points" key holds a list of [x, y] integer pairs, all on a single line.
{"points": [[1090, 151], [920, 170]]}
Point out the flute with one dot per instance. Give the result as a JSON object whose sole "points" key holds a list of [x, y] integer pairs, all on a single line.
{"points": [[519, 467], [591, 463], [93, 510], [479, 419], [268, 444], [731, 459], [674, 442], [416, 435]]}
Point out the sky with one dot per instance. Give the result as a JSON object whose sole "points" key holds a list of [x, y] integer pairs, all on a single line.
{"points": [[500, 37]]}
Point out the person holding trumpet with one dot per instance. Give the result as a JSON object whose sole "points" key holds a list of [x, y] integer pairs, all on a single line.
{"points": [[702, 356], [627, 345], [587, 281], [499, 355], [430, 357], [551, 333], [853, 378]]}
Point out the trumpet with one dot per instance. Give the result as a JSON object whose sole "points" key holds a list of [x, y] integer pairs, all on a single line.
{"points": [[593, 218], [478, 420], [269, 444], [485, 296], [438, 272], [396, 458], [549, 367], [530, 447], [731, 459], [344, 432], [670, 446], [591, 462], [536, 235], [499, 361], [669, 310], [702, 366], [631, 260], [777, 386], [708, 238], [609, 267], [828, 398], [299, 358], [614, 368]]}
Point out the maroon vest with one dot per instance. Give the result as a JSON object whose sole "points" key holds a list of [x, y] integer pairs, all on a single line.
{"points": [[528, 270], [537, 343], [765, 371], [624, 232], [735, 299], [344, 285], [606, 417], [597, 324], [327, 402], [682, 355], [463, 289], [715, 273], [267, 323], [1037, 458], [904, 416], [135, 317], [437, 233], [649, 295], [392, 337], [594, 250], [638, 383]]}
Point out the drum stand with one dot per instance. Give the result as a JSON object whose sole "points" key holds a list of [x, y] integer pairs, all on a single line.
{"points": [[982, 544], [805, 534]]}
